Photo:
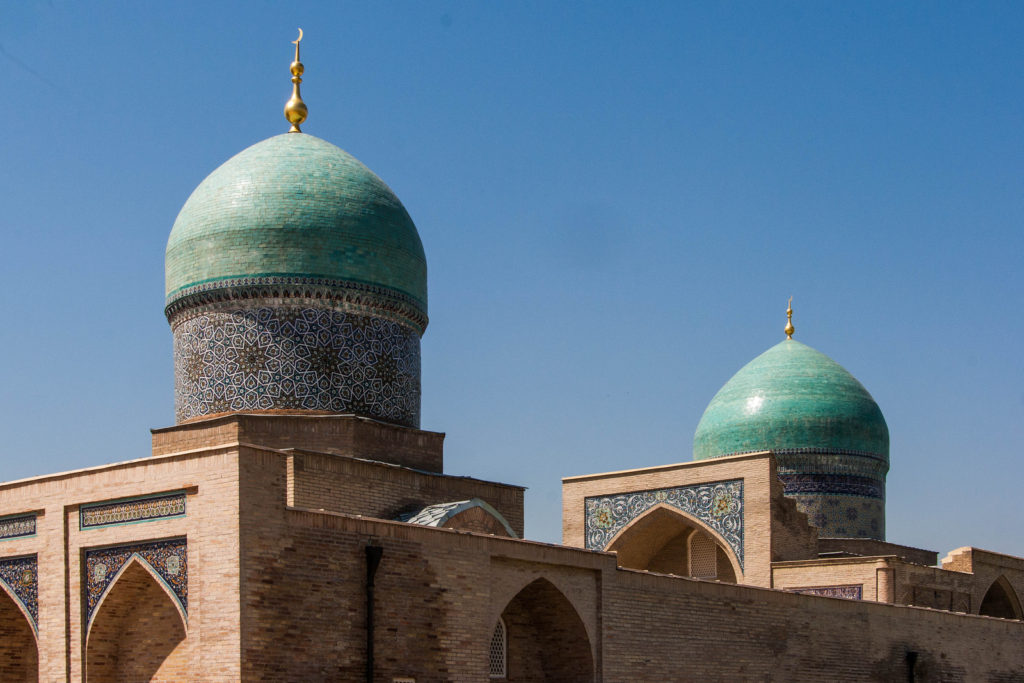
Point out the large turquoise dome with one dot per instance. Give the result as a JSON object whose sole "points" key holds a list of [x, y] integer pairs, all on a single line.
{"points": [[296, 283], [791, 396], [828, 435], [295, 208]]}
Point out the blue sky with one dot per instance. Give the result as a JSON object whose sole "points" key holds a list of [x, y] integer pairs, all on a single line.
{"points": [[616, 200]]}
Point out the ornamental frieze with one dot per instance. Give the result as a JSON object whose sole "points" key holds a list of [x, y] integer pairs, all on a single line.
{"points": [[719, 505]]}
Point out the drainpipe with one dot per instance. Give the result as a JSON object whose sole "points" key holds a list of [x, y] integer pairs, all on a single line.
{"points": [[373, 555]]}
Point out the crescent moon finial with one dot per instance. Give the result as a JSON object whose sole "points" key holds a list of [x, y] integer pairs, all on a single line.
{"points": [[295, 109]]}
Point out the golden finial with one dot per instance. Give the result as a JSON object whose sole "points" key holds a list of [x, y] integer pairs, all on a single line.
{"points": [[789, 320], [295, 109]]}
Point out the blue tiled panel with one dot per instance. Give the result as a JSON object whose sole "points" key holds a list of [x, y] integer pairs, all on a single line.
{"points": [[718, 504], [17, 526], [285, 357], [169, 559], [141, 509], [850, 592], [21, 576]]}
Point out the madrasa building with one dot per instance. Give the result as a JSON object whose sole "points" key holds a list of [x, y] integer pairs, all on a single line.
{"points": [[297, 524]]}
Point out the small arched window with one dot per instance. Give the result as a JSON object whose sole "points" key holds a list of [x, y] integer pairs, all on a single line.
{"points": [[498, 657]]}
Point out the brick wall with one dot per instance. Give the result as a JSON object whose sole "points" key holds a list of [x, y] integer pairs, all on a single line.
{"points": [[340, 434], [440, 592], [341, 484]]}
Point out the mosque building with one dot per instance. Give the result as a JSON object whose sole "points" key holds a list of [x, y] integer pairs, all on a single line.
{"points": [[296, 523]]}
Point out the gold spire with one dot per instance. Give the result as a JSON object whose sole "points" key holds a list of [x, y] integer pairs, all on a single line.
{"points": [[789, 320], [295, 109]]}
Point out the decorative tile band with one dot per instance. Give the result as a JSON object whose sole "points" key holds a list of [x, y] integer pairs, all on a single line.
{"points": [[168, 559], [718, 504], [851, 592], [351, 296], [143, 509], [21, 577], [798, 461], [17, 526], [833, 484], [296, 358]]}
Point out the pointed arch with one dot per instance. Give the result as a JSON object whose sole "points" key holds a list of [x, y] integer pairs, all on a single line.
{"points": [[20, 605], [546, 639], [19, 650], [138, 629], [1001, 601], [154, 574], [662, 537]]}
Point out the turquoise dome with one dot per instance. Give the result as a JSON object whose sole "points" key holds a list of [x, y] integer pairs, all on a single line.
{"points": [[792, 398], [295, 208]]}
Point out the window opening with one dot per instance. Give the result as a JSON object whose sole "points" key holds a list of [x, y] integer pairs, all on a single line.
{"points": [[499, 650]]}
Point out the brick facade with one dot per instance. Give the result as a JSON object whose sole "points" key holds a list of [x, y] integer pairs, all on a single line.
{"points": [[277, 575]]}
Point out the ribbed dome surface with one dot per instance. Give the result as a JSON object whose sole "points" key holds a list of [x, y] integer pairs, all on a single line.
{"points": [[791, 397], [295, 206]]}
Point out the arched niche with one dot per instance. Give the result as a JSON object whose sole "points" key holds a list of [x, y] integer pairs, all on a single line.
{"points": [[546, 638], [1001, 601], [19, 652], [137, 632], [668, 541]]}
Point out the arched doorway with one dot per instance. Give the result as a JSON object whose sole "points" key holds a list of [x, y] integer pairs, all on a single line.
{"points": [[19, 654], [545, 638], [1000, 601], [137, 632], [666, 541]]}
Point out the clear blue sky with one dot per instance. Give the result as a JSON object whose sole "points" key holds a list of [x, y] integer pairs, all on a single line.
{"points": [[616, 200]]}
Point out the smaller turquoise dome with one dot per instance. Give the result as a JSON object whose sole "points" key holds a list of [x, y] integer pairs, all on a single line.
{"points": [[792, 397], [295, 208]]}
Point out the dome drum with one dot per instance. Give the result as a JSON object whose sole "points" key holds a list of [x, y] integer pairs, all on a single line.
{"points": [[285, 358]]}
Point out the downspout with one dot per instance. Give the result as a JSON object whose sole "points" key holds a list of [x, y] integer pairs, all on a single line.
{"points": [[373, 555]]}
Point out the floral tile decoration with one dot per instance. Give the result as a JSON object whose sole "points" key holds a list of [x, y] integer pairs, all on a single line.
{"points": [[717, 504]]}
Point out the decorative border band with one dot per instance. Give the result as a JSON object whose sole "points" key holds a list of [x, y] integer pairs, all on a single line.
{"points": [[20, 575], [717, 504], [17, 526], [356, 297], [167, 559], [131, 510], [849, 592], [832, 485]]}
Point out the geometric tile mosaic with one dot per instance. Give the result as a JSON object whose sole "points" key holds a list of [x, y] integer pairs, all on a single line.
{"points": [[17, 526], [168, 559], [296, 358], [21, 577], [142, 509], [718, 504], [843, 516], [851, 592]]}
